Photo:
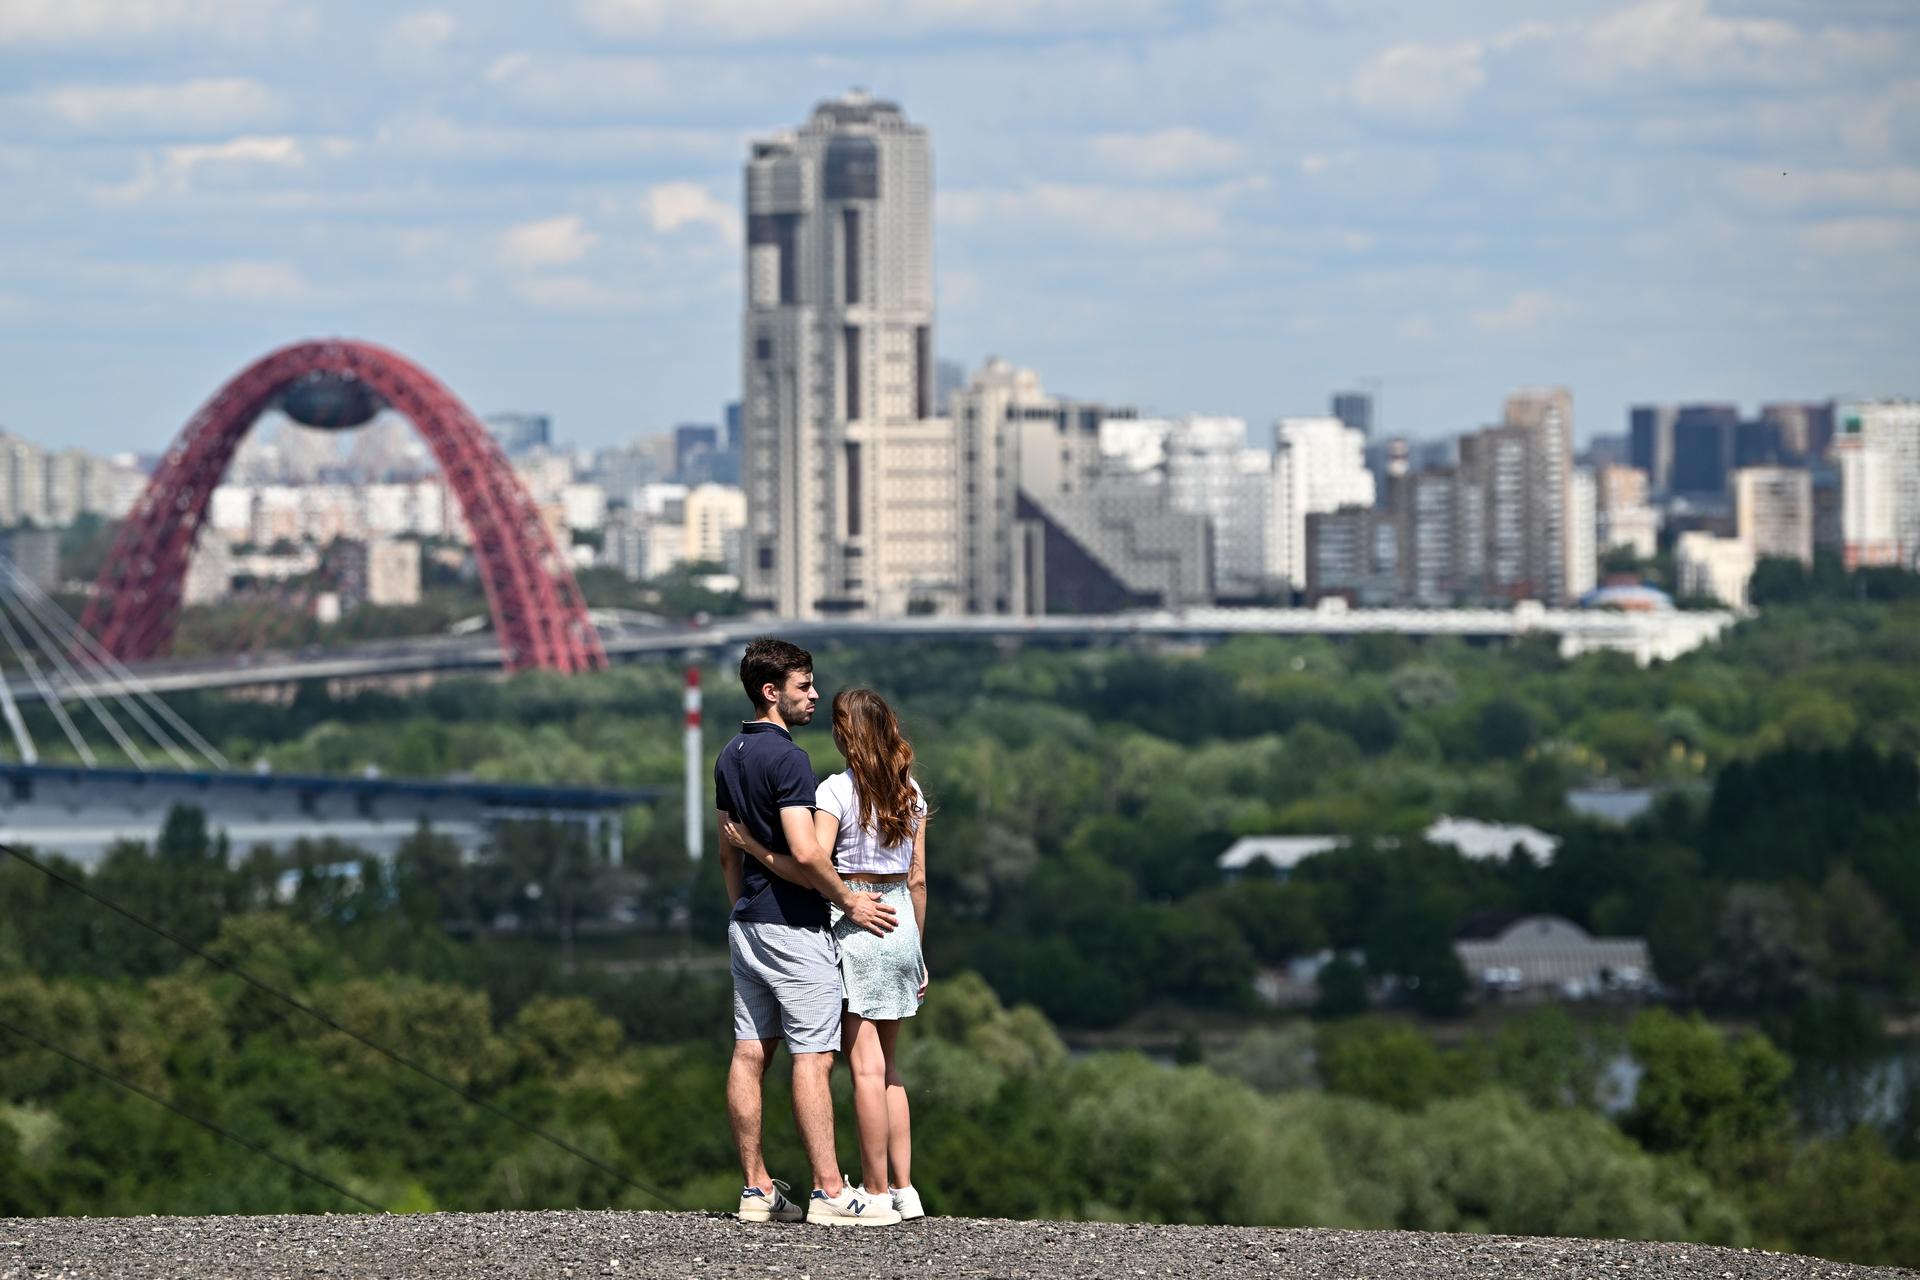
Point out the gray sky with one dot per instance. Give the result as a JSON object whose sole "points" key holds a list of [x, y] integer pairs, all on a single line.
{"points": [[1227, 206]]}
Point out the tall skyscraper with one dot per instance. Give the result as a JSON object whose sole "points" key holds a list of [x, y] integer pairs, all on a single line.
{"points": [[1546, 415], [1050, 522], [520, 433], [1583, 534], [1803, 430], [1876, 449], [1209, 470], [849, 478], [1319, 465], [1517, 500], [1705, 437], [1354, 409], [1650, 443], [23, 481], [1773, 512]]}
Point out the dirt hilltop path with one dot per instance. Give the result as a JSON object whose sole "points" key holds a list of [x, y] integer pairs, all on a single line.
{"points": [[578, 1245]]}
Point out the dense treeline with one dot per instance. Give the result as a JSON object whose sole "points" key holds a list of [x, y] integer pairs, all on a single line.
{"points": [[1082, 798], [1363, 1123]]}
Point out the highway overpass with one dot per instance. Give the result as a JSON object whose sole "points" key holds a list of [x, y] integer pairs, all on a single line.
{"points": [[1646, 637]]}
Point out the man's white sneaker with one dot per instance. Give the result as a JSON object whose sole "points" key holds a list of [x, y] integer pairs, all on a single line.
{"points": [[757, 1206], [851, 1208], [906, 1202]]}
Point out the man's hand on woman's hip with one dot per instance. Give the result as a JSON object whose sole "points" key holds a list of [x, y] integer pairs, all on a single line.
{"points": [[871, 912]]}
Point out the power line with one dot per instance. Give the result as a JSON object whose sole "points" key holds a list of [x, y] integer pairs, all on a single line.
{"points": [[178, 1110], [328, 1022]]}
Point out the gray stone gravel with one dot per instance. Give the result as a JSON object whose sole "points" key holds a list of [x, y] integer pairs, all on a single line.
{"points": [[566, 1246]]}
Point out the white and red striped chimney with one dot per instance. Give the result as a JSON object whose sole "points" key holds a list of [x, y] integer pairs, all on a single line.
{"points": [[695, 789]]}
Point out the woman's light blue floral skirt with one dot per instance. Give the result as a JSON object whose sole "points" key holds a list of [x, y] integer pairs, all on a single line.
{"points": [[881, 972]]}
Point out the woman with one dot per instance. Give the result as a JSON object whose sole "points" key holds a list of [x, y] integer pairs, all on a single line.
{"points": [[874, 818]]}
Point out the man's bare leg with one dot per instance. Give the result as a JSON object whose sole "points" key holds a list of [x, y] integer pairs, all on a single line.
{"points": [[744, 1077], [869, 1100], [813, 1116]]}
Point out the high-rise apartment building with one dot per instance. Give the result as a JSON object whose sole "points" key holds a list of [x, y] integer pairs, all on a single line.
{"points": [[377, 571], [1876, 449], [1773, 512], [1209, 471], [1427, 507], [1625, 518], [1801, 431], [1354, 409], [520, 433], [1583, 534], [1650, 443], [1516, 502], [1704, 441], [1353, 553], [714, 515], [35, 554], [23, 481], [1319, 465], [1050, 520], [850, 479]]}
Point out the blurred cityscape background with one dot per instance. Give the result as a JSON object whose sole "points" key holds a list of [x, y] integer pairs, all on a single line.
{"points": [[1474, 813]]}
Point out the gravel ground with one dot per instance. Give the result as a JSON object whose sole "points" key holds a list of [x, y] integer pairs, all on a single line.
{"points": [[560, 1246]]}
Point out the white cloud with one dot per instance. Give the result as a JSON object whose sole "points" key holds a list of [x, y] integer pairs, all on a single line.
{"points": [[172, 170], [1126, 215], [1861, 235], [1684, 35], [1417, 328], [248, 281], [1688, 42], [760, 20], [1166, 153], [1421, 83], [673, 205], [116, 22], [414, 40], [576, 293], [438, 138], [1793, 188], [550, 242], [224, 103], [604, 85], [1522, 313]]}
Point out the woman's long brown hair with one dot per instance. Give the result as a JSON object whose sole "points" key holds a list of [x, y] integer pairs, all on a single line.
{"points": [[881, 761]]}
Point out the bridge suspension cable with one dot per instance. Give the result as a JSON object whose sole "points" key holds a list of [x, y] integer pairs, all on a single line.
{"points": [[97, 659], [42, 636]]}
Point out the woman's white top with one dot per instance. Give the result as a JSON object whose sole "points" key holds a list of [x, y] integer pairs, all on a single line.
{"points": [[858, 848]]}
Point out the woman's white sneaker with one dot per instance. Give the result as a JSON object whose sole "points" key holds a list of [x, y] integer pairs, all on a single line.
{"points": [[906, 1203], [851, 1208]]}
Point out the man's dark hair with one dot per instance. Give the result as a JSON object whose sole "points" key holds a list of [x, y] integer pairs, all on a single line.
{"points": [[770, 660]]}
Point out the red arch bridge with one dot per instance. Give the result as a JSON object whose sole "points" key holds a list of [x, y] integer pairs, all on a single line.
{"points": [[538, 612]]}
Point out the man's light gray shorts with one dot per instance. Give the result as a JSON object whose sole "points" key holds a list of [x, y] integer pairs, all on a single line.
{"points": [[786, 984]]}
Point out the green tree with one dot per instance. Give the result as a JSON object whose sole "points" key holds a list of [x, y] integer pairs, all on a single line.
{"points": [[1387, 1062], [1699, 1090]]}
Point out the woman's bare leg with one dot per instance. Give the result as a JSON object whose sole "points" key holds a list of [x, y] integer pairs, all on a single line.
{"points": [[869, 1065], [899, 1115]]}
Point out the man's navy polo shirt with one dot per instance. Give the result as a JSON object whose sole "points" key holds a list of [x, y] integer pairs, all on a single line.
{"points": [[759, 773]]}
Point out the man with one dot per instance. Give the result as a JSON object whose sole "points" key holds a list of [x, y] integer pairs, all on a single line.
{"points": [[786, 966]]}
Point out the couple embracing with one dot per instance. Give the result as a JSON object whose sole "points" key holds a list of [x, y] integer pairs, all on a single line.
{"points": [[828, 882]]}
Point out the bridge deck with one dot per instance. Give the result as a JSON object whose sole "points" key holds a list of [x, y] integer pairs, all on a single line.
{"points": [[558, 1246]]}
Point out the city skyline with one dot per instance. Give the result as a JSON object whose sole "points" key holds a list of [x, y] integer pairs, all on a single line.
{"points": [[1199, 208]]}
